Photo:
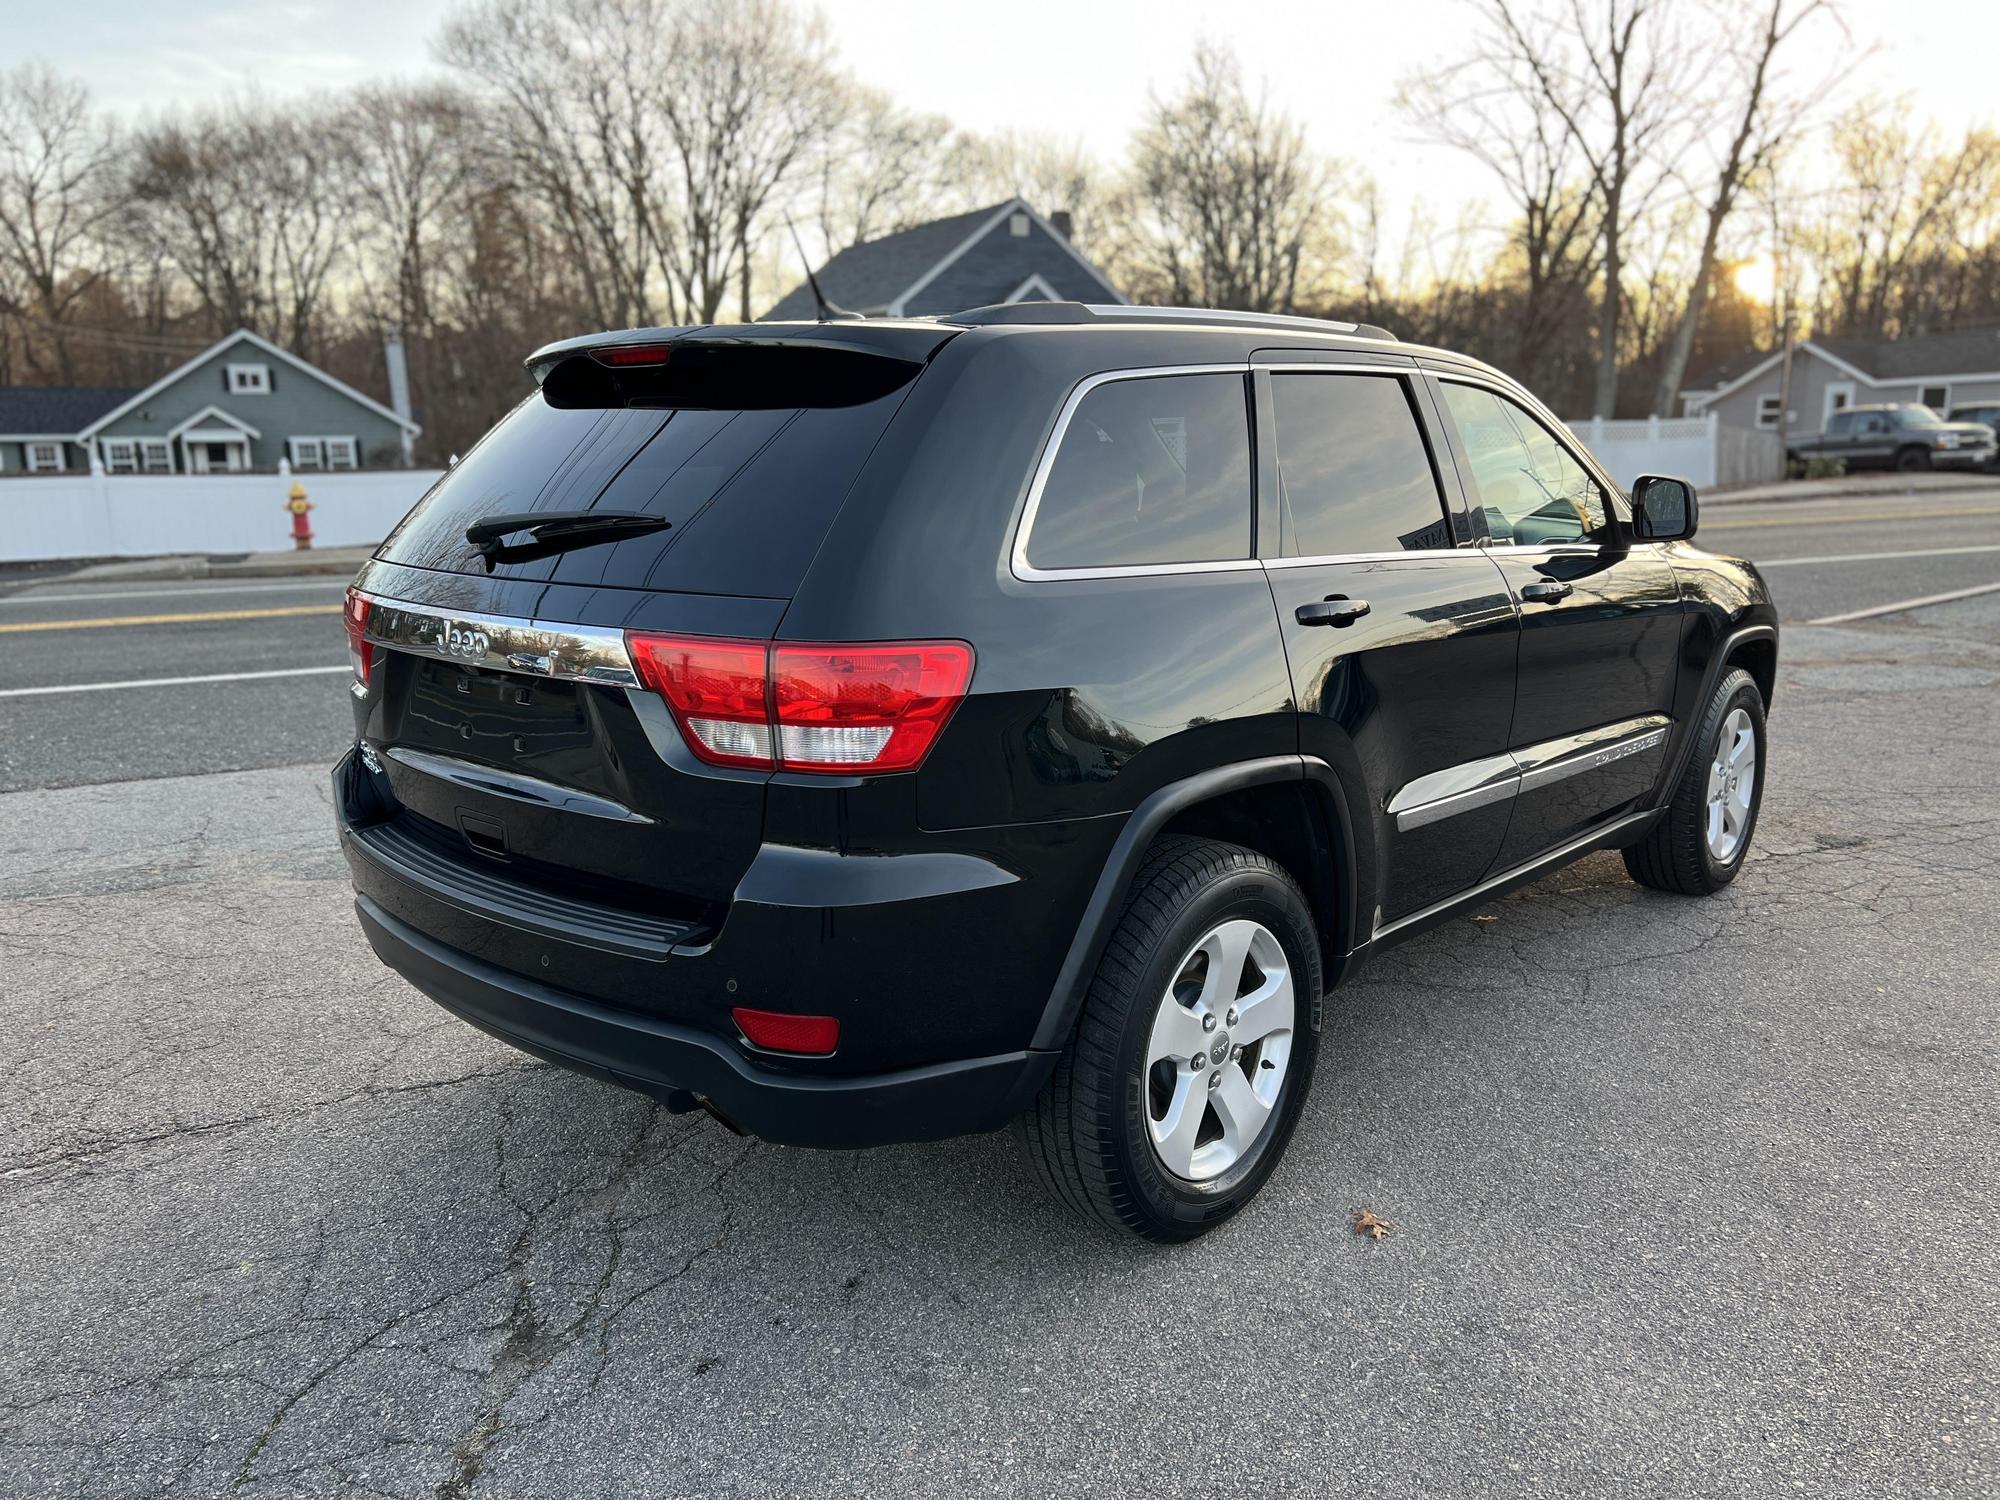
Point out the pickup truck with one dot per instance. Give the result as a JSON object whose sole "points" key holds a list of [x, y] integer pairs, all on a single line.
{"points": [[1901, 436]]}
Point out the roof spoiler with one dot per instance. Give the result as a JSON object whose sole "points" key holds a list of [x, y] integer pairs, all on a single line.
{"points": [[911, 342]]}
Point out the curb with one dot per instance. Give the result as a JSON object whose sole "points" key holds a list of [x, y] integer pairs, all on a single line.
{"points": [[1900, 487]]}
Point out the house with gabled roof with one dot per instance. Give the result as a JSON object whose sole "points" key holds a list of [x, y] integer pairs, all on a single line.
{"points": [[1941, 371], [242, 403], [1007, 252]]}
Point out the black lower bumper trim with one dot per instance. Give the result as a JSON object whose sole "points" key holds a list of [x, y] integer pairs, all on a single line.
{"points": [[664, 1060]]}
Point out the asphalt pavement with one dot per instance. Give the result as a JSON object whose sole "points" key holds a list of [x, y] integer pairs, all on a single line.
{"points": [[1689, 1198]]}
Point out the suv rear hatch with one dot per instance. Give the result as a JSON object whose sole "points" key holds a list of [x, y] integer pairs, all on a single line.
{"points": [[525, 774]]}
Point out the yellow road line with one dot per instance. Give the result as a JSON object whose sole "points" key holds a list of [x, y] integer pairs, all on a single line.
{"points": [[1839, 518], [106, 621]]}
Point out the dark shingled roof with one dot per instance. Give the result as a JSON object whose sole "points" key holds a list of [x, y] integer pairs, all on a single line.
{"points": [[54, 410], [1972, 353], [866, 277], [1976, 353]]}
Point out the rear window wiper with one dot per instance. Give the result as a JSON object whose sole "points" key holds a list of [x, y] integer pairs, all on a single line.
{"points": [[555, 531]]}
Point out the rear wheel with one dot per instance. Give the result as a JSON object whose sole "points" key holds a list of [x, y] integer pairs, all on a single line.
{"points": [[1192, 1059], [1699, 845]]}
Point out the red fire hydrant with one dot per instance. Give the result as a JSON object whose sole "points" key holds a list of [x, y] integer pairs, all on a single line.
{"points": [[298, 505]]}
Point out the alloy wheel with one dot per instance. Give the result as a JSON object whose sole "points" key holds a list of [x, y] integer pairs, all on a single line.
{"points": [[1219, 1051], [1732, 783]]}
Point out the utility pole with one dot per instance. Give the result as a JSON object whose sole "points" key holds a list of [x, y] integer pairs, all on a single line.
{"points": [[1785, 372]]}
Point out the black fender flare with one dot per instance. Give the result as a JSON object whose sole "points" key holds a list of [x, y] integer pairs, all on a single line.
{"points": [[1718, 661], [1143, 826]]}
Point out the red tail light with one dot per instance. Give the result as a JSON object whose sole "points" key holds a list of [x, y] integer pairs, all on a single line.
{"points": [[872, 707], [627, 355], [777, 1031], [360, 650]]}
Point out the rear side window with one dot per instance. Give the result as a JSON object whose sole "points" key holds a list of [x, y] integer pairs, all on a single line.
{"points": [[1353, 472], [1533, 492], [748, 493], [1149, 471]]}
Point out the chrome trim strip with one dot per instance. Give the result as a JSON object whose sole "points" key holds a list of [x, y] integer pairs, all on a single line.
{"points": [[1425, 553], [1552, 858], [1437, 810], [1600, 748], [512, 784], [1018, 558], [502, 643], [1438, 795]]}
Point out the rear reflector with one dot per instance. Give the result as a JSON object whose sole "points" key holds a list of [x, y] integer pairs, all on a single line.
{"points": [[874, 707], [776, 1031], [360, 650]]}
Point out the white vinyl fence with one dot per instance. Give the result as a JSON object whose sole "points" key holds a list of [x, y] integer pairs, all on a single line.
{"points": [[44, 517], [1684, 447]]}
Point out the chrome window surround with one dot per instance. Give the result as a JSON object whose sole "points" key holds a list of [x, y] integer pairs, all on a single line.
{"points": [[1497, 778], [1028, 573], [1614, 497], [501, 643], [1018, 558]]}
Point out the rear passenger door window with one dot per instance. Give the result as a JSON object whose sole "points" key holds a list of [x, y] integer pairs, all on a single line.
{"points": [[1148, 472], [1532, 489], [1354, 474]]}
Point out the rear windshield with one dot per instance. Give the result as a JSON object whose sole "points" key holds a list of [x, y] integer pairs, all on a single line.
{"points": [[748, 494]]}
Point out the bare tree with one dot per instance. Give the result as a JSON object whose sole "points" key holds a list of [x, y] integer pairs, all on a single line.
{"points": [[58, 195], [253, 206], [1229, 206], [1051, 173], [1552, 233], [880, 169], [748, 91], [1765, 117]]}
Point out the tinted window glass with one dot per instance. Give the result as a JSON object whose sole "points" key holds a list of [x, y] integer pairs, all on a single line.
{"points": [[1531, 490], [1354, 475], [1149, 471], [749, 495]]}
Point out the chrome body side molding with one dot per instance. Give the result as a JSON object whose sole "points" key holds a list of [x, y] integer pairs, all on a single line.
{"points": [[1480, 783]]}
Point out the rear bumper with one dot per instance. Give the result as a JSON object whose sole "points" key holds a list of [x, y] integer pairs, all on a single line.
{"points": [[669, 1062]]}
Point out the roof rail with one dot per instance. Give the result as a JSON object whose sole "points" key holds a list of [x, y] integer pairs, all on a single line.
{"points": [[1094, 312]]}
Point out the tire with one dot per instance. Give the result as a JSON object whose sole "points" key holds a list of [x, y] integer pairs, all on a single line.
{"points": [[1089, 1137], [1913, 460], [1688, 851]]}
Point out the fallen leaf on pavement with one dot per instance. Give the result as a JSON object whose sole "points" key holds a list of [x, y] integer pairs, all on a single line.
{"points": [[1366, 1223]]}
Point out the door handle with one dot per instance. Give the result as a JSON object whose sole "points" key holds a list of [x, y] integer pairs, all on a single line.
{"points": [[1546, 591], [1336, 610]]}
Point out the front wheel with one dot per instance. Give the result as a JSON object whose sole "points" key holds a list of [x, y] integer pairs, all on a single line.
{"points": [[1697, 847], [1179, 1090], [1913, 460]]}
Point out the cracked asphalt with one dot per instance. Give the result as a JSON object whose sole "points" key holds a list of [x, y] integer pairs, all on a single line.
{"points": [[1689, 1198]]}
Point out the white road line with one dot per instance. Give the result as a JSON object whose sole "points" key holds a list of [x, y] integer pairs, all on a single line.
{"points": [[1845, 557], [154, 682], [1902, 604], [322, 584]]}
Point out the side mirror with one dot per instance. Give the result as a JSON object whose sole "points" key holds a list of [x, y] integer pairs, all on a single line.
{"points": [[1663, 509]]}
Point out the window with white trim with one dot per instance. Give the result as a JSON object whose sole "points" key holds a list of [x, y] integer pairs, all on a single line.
{"points": [[156, 455], [248, 380], [325, 453], [1936, 397], [121, 456], [45, 458], [1768, 408]]}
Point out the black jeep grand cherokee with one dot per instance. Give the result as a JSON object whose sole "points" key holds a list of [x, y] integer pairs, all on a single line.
{"points": [[880, 731]]}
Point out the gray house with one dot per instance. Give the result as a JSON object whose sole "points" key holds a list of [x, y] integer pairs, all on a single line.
{"points": [[1940, 371], [243, 403], [1005, 253]]}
